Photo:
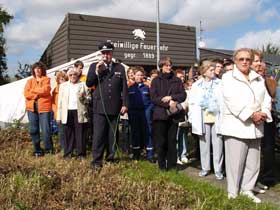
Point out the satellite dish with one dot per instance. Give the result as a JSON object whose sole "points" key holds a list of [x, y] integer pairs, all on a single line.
{"points": [[201, 44]]}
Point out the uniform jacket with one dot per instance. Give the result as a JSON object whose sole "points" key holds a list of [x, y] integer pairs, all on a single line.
{"points": [[196, 112], [139, 97], [165, 85], [113, 88], [241, 99], [40, 91], [63, 99]]}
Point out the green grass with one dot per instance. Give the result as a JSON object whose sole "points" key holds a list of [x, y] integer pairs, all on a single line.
{"points": [[51, 183], [202, 195]]}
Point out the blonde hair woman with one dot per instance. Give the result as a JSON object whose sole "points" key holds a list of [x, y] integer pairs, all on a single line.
{"points": [[204, 114], [61, 77]]}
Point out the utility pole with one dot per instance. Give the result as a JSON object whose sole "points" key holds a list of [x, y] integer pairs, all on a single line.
{"points": [[158, 38]]}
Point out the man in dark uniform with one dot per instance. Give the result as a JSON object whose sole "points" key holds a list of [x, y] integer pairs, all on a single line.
{"points": [[109, 101]]}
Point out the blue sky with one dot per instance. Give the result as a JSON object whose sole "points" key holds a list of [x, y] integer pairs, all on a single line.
{"points": [[226, 24]]}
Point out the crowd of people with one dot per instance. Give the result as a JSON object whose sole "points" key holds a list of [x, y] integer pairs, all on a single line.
{"points": [[226, 108]]}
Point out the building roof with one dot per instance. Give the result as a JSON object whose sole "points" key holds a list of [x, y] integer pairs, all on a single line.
{"points": [[273, 60], [221, 51], [134, 41]]}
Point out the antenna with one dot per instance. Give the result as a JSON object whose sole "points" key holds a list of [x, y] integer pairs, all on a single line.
{"points": [[158, 35], [201, 42]]}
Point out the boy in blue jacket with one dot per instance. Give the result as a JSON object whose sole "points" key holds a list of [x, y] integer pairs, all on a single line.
{"points": [[139, 115]]}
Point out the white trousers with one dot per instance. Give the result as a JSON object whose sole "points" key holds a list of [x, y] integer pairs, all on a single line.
{"points": [[242, 163], [217, 145]]}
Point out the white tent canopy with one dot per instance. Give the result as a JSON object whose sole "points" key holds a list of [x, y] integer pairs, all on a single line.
{"points": [[12, 105]]}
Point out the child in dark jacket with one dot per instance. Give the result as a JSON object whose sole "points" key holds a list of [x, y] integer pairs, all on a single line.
{"points": [[139, 115]]}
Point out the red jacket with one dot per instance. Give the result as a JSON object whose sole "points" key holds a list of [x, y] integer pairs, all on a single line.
{"points": [[40, 91]]}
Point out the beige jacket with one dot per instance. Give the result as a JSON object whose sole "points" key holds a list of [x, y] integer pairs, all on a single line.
{"points": [[63, 99], [241, 98]]}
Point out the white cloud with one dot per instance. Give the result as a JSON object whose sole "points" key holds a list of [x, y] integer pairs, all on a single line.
{"points": [[215, 14], [259, 39], [31, 31], [268, 15], [36, 21], [213, 43]]}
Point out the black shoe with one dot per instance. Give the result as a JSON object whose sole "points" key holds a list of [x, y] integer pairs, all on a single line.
{"points": [[67, 157], [50, 152], [38, 154], [112, 160], [136, 157], [163, 169], [95, 168], [151, 160], [81, 157]]}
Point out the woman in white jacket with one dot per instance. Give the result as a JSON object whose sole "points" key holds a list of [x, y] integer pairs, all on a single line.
{"points": [[204, 115], [73, 98], [246, 106]]}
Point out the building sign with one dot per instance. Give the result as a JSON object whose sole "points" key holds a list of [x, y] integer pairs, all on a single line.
{"points": [[139, 34], [131, 48]]}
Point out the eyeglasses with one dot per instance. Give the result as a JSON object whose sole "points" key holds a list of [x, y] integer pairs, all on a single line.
{"points": [[70, 75], [244, 59]]}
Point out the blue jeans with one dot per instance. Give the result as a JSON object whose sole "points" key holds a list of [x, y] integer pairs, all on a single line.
{"points": [[182, 142], [37, 121]]}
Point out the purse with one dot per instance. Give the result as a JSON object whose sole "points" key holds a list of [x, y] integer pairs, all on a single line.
{"points": [[171, 112], [178, 113]]}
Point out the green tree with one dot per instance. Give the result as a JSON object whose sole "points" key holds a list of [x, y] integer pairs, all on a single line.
{"points": [[270, 49], [5, 18], [24, 70]]}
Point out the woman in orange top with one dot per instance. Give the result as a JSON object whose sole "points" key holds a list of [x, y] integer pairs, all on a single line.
{"points": [[38, 105], [61, 77]]}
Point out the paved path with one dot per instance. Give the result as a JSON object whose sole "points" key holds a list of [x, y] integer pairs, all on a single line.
{"points": [[272, 195]]}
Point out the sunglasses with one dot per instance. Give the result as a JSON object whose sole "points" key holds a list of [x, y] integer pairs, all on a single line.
{"points": [[244, 59]]}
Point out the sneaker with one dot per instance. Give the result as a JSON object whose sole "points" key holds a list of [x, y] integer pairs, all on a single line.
{"points": [[258, 190], [219, 175], [38, 154], [249, 194], [203, 173], [184, 160], [262, 186], [179, 162], [231, 196]]}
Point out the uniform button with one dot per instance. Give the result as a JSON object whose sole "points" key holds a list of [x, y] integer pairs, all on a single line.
{"points": [[109, 85], [109, 91], [109, 97]]}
